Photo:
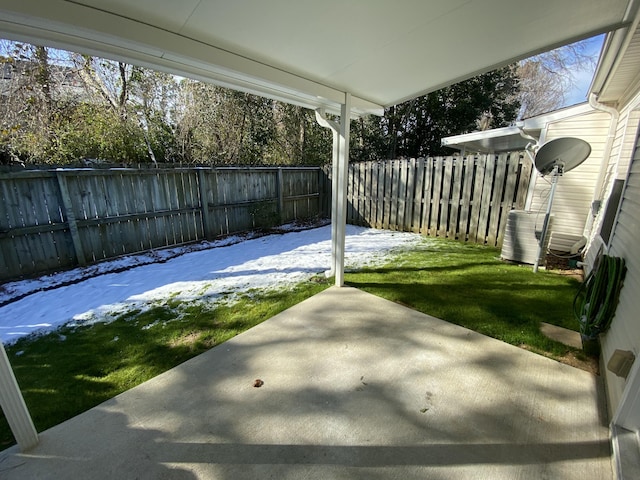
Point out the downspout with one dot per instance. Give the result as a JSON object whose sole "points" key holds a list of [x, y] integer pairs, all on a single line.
{"points": [[340, 165], [598, 194], [323, 121]]}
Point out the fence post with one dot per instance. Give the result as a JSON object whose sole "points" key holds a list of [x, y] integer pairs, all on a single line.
{"points": [[204, 203], [71, 218]]}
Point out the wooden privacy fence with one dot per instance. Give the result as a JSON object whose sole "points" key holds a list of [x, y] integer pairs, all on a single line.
{"points": [[59, 219], [466, 199]]}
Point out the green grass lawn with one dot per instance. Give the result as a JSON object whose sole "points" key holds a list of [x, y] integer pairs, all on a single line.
{"points": [[470, 286], [68, 371]]}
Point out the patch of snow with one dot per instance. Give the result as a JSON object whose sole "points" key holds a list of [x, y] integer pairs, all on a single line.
{"points": [[208, 272]]}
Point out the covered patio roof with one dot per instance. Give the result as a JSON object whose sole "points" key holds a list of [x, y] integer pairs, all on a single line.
{"points": [[310, 53]]}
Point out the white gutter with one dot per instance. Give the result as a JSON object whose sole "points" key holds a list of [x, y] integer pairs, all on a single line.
{"points": [[598, 194]]}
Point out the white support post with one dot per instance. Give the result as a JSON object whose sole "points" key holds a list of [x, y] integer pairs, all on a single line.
{"points": [[13, 406], [343, 169], [339, 184]]}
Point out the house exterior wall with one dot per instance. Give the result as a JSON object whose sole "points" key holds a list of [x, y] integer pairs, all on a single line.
{"points": [[624, 333], [616, 169], [574, 193]]}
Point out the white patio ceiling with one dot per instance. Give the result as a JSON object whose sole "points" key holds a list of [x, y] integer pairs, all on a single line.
{"points": [[310, 52]]}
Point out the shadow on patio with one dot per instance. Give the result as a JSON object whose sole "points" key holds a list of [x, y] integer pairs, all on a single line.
{"points": [[354, 387]]}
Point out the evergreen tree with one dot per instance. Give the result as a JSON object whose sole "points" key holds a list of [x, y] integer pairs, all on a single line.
{"points": [[415, 128]]}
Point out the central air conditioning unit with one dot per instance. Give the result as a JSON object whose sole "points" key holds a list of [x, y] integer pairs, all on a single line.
{"points": [[522, 237]]}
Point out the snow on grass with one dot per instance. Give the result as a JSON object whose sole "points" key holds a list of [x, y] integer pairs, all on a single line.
{"points": [[210, 273]]}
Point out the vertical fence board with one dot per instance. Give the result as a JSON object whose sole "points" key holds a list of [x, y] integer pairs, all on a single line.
{"points": [[474, 214], [401, 194], [445, 195], [418, 195], [409, 195], [367, 194], [436, 200], [496, 199], [357, 185], [362, 203], [468, 164], [428, 189], [382, 167], [525, 176], [388, 175], [457, 165], [351, 192], [392, 197], [485, 205], [509, 194], [128, 238]]}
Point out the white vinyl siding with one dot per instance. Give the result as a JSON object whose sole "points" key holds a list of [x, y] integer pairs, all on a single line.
{"points": [[624, 333], [572, 201], [617, 168]]}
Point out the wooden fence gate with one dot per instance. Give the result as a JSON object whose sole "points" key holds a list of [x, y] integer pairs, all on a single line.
{"points": [[467, 199]]}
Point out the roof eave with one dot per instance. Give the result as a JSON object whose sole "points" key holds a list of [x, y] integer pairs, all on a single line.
{"points": [[152, 47], [613, 49]]}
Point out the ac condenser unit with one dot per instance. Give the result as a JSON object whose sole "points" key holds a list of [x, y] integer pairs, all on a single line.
{"points": [[521, 236]]}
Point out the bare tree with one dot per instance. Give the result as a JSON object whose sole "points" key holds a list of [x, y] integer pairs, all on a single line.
{"points": [[545, 79]]}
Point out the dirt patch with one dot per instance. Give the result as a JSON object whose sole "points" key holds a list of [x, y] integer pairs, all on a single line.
{"points": [[190, 340], [576, 273], [574, 359], [587, 363], [564, 264]]}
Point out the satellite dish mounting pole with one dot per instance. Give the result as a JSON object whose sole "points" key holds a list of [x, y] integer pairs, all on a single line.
{"points": [[557, 171]]}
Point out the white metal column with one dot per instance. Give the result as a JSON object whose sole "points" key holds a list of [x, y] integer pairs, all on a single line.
{"points": [[339, 183], [13, 406], [343, 168]]}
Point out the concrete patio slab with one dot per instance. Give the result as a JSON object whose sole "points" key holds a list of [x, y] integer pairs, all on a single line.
{"points": [[354, 387]]}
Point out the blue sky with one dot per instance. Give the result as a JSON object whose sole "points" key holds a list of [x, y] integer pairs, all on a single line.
{"points": [[583, 77]]}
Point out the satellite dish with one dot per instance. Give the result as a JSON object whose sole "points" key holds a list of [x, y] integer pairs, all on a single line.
{"points": [[557, 157], [565, 153]]}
